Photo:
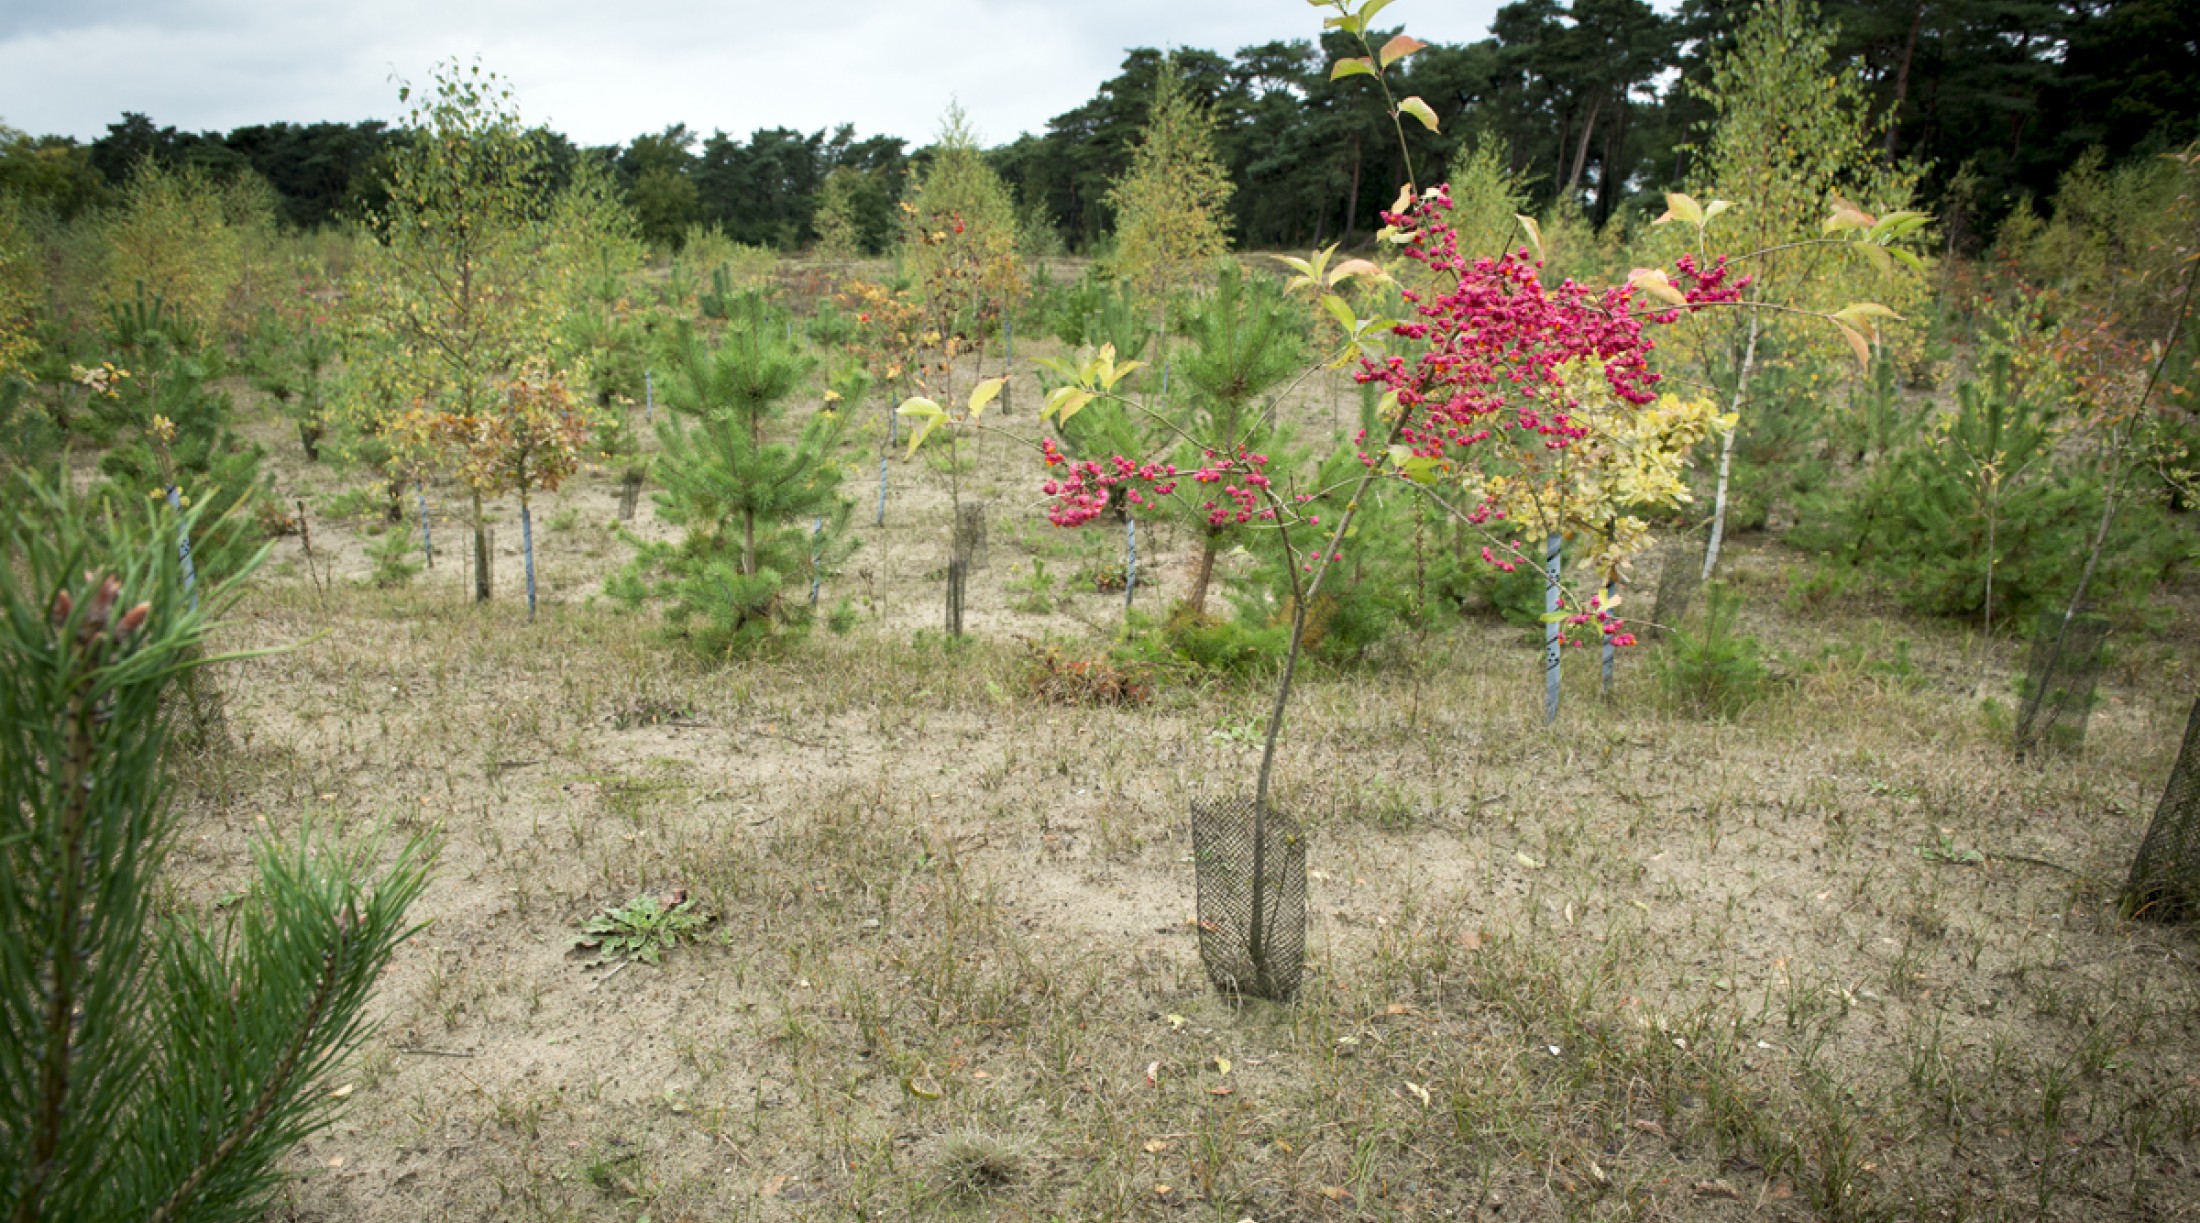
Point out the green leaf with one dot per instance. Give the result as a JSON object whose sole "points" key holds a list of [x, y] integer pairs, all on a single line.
{"points": [[1358, 65], [1897, 225], [1342, 312], [1368, 10], [1419, 110], [1553, 617]]}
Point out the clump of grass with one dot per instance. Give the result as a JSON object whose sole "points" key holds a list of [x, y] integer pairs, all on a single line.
{"points": [[973, 1162]]}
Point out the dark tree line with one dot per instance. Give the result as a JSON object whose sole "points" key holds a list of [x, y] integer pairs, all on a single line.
{"points": [[1590, 102]]}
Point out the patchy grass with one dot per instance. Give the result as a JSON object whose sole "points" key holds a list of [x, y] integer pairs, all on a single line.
{"points": [[1836, 956]]}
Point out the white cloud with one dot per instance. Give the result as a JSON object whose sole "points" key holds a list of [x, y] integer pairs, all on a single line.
{"points": [[605, 72]]}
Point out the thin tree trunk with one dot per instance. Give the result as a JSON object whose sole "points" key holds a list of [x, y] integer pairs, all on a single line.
{"points": [[1726, 451], [1552, 654], [1202, 576], [481, 552], [1902, 78], [1352, 195], [1581, 147]]}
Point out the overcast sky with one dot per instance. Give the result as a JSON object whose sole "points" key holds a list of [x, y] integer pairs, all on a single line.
{"points": [[606, 71]]}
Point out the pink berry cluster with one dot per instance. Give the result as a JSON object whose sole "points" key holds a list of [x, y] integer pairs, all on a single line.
{"points": [[1242, 478], [1083, 489], [1491, 353], [1492, 347]]}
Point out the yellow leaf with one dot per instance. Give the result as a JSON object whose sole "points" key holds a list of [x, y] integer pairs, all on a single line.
{"points": [[1358, 65], [1065, 402], [921, 1086], [1419, 110], [985, 393], [1357, 267], [1655, 282], [1856, 312], [1534, 231], [1857, 344], [1682, 207]]}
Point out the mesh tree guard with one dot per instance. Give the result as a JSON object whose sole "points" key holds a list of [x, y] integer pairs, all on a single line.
{"points": [[630, 493], [1252, 898], [969, 542], [1680, 573], [2165, 878], [2060, 680]]}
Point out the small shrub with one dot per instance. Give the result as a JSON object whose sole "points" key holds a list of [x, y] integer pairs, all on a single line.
{"points": [[1233, 646], [396, 559], [1033, 595], [1716, 671]]}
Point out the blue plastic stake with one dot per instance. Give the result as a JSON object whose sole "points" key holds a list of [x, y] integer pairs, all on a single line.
{"points": [[649, 397], [1609, 649], [183, 548], [1550, 628], [882, 490], [817, 528]]}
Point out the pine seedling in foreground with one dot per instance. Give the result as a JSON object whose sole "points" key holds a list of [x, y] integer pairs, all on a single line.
{"points": [[151, 1068]]}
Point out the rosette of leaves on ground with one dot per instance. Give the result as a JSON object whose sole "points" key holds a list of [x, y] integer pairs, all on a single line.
{"points": [[758, 514], [153, 1066]]}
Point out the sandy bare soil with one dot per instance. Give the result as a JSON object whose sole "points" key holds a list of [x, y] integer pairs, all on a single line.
{"points": [[1841, 957]]}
